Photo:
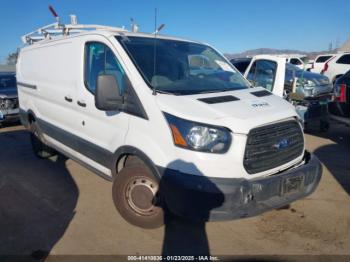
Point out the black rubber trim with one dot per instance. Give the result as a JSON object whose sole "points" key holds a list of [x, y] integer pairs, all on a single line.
{"points": [[199, 197], [92, 169], [261, 93], [132, 104], [26, 85], [218, 99], [69, 140], [84, 147], [130, 150], [96, 153], [23, 116]]}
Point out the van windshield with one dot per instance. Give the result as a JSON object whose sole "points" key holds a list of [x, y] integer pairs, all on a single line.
{"points": [[181, 67]]}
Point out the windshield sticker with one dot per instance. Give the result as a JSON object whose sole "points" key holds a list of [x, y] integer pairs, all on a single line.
{"points": [[225, 66]]}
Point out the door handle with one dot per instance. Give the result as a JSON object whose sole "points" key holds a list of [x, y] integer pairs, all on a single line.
{"points": [[68, 99], [81, 103]]}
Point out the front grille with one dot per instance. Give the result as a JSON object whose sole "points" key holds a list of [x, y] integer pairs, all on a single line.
{"points": [[272, 146], [9, 103]]}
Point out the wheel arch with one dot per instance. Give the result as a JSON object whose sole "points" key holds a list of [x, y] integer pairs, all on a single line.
{"points": [[27, 117], [121, 155]]}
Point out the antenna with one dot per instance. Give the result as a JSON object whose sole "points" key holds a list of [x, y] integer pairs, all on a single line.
{"points": [[53, 12], [160, 28], [156, 31], [134, 26], [73, 20], [155, 50]]}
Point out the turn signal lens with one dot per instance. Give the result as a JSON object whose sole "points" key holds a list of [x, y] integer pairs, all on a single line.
{"points": [[178, 139]]}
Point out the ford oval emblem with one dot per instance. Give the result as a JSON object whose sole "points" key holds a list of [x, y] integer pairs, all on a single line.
{"points": [[282, 144]]}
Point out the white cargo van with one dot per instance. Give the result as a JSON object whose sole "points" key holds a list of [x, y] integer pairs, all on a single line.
{"points": [[169, 121]]}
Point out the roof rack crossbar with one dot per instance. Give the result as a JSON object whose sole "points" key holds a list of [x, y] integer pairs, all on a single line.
{"points": [[57, 30]]}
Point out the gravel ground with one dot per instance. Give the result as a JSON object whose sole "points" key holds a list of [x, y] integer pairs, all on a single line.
{"points": [[58, 207]]}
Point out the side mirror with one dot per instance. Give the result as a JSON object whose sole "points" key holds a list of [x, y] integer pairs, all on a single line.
{"points": [[107, 95]]}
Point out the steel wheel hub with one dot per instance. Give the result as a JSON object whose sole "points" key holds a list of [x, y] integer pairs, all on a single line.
{"points": [[140, 194]]}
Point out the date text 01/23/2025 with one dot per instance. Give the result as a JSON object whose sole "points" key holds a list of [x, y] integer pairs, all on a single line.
{"points": [[173, 258]]}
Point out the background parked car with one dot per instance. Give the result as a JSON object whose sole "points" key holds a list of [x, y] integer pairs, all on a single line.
{"points": [[8, 98], [339, 108], [300, 61], [319, 62], [297, 61], [305, 84], [336, 66], [308, 92], [308, 65]]}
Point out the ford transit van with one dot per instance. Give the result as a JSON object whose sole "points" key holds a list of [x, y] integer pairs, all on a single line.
{"points": [[170, 122]]}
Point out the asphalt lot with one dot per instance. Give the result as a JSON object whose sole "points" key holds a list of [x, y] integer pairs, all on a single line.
{"points": [[59, 207]]}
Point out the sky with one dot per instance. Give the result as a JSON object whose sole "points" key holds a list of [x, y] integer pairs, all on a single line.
{"points": [[231, 26]]}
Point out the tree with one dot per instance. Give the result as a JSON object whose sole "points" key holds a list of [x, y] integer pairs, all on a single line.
{"points": [[12, 58]]}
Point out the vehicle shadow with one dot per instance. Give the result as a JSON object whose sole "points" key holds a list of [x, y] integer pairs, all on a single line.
{"points": [[336, 156], [184, 236], [10, 124], [37, 198]]}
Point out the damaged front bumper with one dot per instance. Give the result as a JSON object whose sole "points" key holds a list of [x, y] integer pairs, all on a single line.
{"points": [[208, 198]]}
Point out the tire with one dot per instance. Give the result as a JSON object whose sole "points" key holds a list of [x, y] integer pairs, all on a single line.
{"points": [[40, 149], [135, 197]]}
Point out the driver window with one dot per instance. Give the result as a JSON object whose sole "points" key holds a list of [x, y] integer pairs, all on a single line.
{"points": [[99, 59], [263, 73]]}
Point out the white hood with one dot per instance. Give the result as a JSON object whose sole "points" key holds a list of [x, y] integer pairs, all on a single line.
{"points": [[247, 112]]}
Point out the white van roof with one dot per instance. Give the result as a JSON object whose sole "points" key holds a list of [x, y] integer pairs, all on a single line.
{"points": [[61, 31]]}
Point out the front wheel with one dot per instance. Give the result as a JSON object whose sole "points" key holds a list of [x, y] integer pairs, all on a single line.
{"points": [[134, 192]]}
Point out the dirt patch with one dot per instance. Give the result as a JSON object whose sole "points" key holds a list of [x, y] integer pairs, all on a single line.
{"points": [[292, 223]]}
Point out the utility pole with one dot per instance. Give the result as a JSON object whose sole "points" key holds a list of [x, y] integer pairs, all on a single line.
{"points": [[330, 46], [337, 43]]}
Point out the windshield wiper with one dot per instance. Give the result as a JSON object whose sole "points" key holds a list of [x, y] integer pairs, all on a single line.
{"points": [[215, 91], [168, 93]]}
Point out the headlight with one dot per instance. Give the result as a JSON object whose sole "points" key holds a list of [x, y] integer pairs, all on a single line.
{"points": [[305, 83], [198, 136], [309, 84]]}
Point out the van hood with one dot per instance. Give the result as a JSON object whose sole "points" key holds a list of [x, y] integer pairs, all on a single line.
{"points": [[239, 110]]}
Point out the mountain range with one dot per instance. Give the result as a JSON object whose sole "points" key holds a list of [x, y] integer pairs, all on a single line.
{"points": [[272, 51]]}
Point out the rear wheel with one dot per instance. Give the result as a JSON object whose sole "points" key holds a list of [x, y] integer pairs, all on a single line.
{"points": [[134, 192], [40, 149]]}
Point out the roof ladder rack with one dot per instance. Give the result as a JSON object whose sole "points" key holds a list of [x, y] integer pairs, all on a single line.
{"points": [[61, 30]]}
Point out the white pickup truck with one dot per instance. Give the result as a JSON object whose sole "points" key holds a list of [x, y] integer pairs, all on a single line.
{"points": [[309, 92]]}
